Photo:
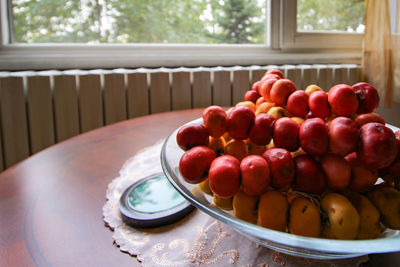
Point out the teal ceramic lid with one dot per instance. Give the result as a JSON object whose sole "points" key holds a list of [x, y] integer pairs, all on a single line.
{"points": [[152, 202]]}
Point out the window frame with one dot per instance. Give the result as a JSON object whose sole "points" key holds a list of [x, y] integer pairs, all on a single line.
{"points": [[284, 45]]}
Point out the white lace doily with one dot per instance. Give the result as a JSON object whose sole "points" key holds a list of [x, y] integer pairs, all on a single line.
{"points": [[197, 240]]}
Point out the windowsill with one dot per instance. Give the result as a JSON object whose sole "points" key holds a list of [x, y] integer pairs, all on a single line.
{"points": [[41, 57]]}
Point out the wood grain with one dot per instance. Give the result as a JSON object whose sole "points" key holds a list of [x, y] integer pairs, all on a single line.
{"points": [[202, 90], [114, 98], [90, 102], [222, 95], [137, 95]]}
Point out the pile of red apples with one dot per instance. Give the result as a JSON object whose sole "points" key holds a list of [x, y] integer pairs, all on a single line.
{"points": [[283, 138]]}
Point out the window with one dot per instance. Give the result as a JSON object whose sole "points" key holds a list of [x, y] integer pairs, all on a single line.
{"points": [[135, 33]]}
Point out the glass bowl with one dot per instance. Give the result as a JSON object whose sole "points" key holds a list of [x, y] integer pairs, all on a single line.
{"points": [[317, 248]]}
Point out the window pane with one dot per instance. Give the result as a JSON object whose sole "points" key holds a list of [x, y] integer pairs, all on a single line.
{"points": [[330, 15], [139, 21]]}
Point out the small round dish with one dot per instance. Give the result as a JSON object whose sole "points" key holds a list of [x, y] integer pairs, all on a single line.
{"points": [[152, 202], [317, 248]]}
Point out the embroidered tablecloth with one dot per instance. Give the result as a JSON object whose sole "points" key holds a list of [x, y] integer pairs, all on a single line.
{"points": [[197, 240]]}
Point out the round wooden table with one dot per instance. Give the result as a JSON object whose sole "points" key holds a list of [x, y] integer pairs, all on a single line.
{"points": [[51, 203]]}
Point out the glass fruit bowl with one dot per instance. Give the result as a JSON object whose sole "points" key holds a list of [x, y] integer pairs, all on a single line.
{"points": [[317, 248]]}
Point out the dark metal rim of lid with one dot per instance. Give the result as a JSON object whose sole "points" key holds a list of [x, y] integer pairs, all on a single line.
{"points": [[139, 219]]}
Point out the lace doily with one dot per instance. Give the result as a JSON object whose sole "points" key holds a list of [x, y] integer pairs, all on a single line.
{"points": [[197, 240]]}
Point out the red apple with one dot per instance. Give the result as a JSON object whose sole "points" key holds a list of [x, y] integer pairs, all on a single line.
{"points": [[191, 135], [286, 134], [265, 88], [337, 171], [318, 104], [394, 168], [309, 176], [252, 96], [377, 147], [343, 136], [343, 100], [259, 101], [214, 119], [255, 175], [362, 178], [297, 103], [368, 117], [314, 136], [281, 166], [240, 121], [255, 86], [261, 132], [195, 162], [276, 72], [280, 91], [224, 176], [368, 97]]}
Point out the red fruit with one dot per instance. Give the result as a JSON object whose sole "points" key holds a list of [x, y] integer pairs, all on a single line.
{"points": [[377, 147], [309, 176], [195, 163], [318, 104], [265, 88], [314, 137], [280, 91], [368, 117], [368, 97], [281, 165], [286, 134], [240, 121], [252, 96], [337, 171], [261, 132], [259, 101], [255, 86], [192, 135], [297, 103], [362, 178], [224, 176], [343, 100], [255, 175], [343, 136], [394, 168], [214, 119], [276, 72]]}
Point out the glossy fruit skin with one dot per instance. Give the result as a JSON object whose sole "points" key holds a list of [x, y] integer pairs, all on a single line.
{"points": [[297, 103], [343, 136], [362, 119], [281, 165], [195, 162], [272, 211], [319, 105], [214, 119], [362, 178], [265, 87], [394, 168], [314, 136], [275, 72], [286, 134], [240, 121], [337, 171], [252, 96], [261, 132], [255, 86], [224, 176], [255, 175], [280, 91], [377, 147], [309, 176], [343, 100], [368, 97], [304, 218], [191, 135]]}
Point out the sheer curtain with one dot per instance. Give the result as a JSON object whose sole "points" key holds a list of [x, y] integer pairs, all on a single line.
{"points": [[381, 50]]}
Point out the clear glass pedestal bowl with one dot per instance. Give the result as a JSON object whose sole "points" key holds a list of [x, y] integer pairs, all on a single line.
{"points": [[317, 248]]}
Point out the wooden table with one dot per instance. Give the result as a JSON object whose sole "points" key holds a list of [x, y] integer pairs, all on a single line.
{"points": [[51, 203]]}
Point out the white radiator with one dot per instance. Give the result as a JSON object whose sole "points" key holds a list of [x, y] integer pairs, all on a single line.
{"points": [[38, 109]]}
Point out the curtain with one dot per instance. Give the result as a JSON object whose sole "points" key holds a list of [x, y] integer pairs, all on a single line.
{"points": [[381, 49]]}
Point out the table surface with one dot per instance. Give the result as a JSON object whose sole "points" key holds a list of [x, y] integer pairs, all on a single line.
{"points": [[51, 203]]}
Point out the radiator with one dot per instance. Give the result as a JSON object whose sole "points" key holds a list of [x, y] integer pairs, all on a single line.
{"points": [[39, 109]]}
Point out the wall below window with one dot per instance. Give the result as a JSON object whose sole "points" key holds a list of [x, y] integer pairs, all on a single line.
{"points": [[41, 108]]}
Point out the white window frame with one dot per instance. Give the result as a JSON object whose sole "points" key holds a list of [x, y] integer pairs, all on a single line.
{"points": [[284, 45]]}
